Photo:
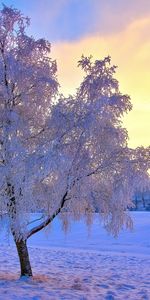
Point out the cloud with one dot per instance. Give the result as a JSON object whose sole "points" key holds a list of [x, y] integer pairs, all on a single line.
{"points": [[130, 50], [70, 20], [114, 15]]}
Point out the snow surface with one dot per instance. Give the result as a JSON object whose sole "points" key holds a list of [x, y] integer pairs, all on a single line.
{"points": [[81, 265]]}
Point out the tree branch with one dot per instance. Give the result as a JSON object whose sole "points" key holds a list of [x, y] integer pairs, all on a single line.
{"points": [[49, 219], [36, 220]]}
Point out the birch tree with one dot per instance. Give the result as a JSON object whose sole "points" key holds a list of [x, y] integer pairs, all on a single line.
{"points": [[62, 156]]}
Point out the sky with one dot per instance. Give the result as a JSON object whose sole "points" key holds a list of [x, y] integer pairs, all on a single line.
{"points": [[99, 28]]}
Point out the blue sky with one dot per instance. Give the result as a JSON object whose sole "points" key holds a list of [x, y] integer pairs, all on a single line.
{"points": [[59, 20]]}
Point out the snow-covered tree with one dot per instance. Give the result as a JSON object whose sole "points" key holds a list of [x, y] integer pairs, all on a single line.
{"points": [[58, 155]]}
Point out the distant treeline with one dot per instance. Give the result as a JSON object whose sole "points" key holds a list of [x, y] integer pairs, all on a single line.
{"points": [[141, 200]]}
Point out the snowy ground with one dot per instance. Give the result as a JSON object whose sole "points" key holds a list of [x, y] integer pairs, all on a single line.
{"points": [[78, 266]]}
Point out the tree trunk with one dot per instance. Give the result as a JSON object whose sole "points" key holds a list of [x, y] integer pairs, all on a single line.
{"points": [[24, 258]]}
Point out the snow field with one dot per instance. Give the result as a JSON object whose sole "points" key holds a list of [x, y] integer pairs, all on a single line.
{"points": [[78, 266]]}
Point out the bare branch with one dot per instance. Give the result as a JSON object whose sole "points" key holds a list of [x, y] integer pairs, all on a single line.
{"points": [[49, 219], [36, 220]]}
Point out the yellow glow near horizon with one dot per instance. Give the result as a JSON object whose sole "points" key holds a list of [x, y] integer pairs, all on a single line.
{"points": [[130, 51]]}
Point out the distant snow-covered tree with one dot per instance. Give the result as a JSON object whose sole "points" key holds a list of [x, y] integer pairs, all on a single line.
{"points": [[60, 155]]}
